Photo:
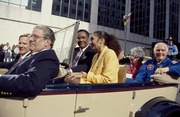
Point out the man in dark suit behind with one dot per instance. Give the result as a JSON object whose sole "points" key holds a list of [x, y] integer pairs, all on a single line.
{"points": [[29, 76], [24, 51], [83, 63]]}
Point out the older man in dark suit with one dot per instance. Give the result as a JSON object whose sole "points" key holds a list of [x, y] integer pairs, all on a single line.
{"points": [[29, 76], [83, 54]]}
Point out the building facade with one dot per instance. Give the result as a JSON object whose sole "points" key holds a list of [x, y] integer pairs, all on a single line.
{"points": [[151, 20]]}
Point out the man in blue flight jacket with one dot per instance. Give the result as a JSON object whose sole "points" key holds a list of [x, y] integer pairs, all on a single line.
{"points": [[159, 64]]}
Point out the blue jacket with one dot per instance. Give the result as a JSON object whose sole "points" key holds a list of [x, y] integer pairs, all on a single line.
{"points": [[150, 66]]}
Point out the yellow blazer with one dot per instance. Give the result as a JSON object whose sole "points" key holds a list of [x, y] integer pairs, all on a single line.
{"points": [[104, 68]]}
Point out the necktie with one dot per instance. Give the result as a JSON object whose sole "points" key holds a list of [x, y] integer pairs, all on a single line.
{"points": [[74, 63], [17, 61], [15, 66], [20, 60]]}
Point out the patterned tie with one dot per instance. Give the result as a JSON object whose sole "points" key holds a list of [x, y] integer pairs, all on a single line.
{"points": [[15, 66], [74, 63], [20, 60]]}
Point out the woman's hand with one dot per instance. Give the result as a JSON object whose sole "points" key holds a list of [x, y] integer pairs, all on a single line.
{"points": [[74, 77]]}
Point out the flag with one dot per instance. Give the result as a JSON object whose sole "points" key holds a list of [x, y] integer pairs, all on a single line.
{"points": [[126, 18]]}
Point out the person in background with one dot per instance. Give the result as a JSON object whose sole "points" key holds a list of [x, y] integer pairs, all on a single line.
{"points": [[172, 49], [24, 51], [159, 64], [7, 52], [105, 65], [136, 58], [14, 52], [83, 53], [1, 53], [29, 76]]}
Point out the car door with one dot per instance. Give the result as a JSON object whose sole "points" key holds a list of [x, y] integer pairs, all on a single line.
{"points": [[51, 106], [55, 101], [92, 102]]}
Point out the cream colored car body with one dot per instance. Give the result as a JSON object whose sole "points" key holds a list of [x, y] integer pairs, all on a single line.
{"points": [[117, 100]]}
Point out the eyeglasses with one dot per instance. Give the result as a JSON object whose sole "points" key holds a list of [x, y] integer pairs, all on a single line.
{"points": [[36, 36]]}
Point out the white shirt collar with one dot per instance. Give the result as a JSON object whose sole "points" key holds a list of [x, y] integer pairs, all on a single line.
{"points": [[84, 48], [25, 55]]}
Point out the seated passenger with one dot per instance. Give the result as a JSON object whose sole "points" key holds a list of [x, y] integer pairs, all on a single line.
{"points": [[105, 66], [83, 54], [136, 58], [159, 64], [29, 76], [24, 51]]}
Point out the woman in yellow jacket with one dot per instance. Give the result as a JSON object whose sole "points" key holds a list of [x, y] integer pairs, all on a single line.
{"points": [[105, 65]]}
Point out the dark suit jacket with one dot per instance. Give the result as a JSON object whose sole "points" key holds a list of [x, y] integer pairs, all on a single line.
{"points": [[8, 65], [85, 60], [29, 76]]}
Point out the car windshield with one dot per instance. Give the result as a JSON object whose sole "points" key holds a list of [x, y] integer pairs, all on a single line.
{"points": [[64, 44]]}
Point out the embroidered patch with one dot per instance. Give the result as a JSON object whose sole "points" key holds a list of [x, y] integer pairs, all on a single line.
{"points": [[150, 67]]}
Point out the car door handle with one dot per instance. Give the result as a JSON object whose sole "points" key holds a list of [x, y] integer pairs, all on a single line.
{"points": [[81, 110]]}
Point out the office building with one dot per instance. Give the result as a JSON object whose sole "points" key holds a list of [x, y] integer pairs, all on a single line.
{"points": [[151, 20]]}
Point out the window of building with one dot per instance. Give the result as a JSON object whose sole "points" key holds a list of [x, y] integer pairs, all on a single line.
{"points": [[75, 9], [140, 17], [110, 13], [72, 13], [159, 19], [34, 5], [64, 8], [174, 18], [56, 7], [80, 12]]}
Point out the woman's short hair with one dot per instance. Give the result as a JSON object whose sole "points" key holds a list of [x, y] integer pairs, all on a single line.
{"points": [[138, 52]]}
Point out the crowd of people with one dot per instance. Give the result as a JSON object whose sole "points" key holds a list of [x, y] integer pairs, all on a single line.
{"points": [[8, 53], [96, 59]]}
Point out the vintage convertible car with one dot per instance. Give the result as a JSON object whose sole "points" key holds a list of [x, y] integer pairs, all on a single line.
{"points": [[94, 100]]}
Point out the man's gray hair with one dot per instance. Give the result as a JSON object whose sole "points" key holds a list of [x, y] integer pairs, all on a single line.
{"points": [[160, 44], [138, 52], [48, 33]]}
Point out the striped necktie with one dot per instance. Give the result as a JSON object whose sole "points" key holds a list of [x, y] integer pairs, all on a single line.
{"points": [[20, 60], [74, 63]]}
